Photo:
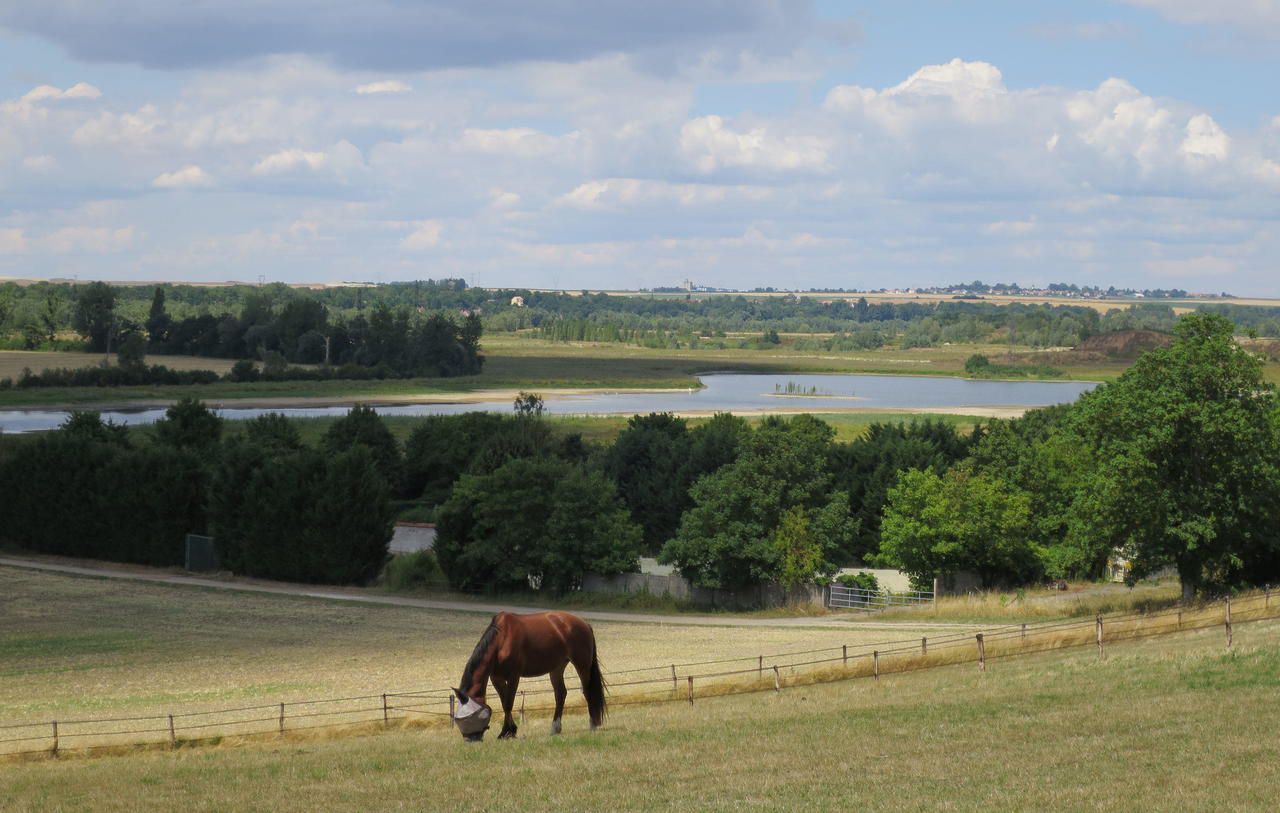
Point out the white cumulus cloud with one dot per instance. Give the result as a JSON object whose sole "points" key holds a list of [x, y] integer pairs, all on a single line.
{"points": [[384, 86], [80, 90], [189, 176]]}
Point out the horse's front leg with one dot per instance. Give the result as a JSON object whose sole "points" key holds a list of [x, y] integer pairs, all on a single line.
{"points": [[557, 686], [507, 694]]}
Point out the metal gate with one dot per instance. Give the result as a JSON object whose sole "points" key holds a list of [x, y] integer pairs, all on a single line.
{"points": [[855, 598]]}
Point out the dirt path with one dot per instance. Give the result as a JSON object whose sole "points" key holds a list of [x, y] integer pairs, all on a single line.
{"points": [[363, 596]]}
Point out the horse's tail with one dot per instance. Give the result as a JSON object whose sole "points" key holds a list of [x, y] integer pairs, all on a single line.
{"points": [[595, 687]]}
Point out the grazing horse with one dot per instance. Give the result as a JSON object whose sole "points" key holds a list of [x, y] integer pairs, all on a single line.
{"points": [[516, 646]]}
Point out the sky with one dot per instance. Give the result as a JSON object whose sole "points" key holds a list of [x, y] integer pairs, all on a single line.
{"points": [[602, 144]]}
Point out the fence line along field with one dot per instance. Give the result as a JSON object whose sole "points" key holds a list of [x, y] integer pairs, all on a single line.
{"points": [[732, 674], [76, 647], [1175, 722]]}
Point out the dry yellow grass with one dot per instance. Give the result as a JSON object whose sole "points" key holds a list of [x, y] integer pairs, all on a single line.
{"points": [[1167, 723], [85, 647], [710, 674], [12, 362]]}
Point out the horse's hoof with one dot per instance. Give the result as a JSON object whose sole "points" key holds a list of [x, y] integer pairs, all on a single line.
{"points": [[555, 727], [509, 734]]}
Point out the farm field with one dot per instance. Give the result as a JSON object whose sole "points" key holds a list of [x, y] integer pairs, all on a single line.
{"points": [[12, 362], [1167, 723], [95, 647]]}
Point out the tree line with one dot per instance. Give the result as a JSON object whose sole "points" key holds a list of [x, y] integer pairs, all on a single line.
{"points": [[373, 324], [1175, 464]]}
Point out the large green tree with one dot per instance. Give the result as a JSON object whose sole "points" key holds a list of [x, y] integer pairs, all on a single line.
{"points": [[362, 426], [534, 522], [94, 315], [937, 526], [730, 537], [1187, 455]]}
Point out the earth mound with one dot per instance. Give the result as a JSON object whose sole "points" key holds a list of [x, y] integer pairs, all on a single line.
{"points": [[1125, 344]]}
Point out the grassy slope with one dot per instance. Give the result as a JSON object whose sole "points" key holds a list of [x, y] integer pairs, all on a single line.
{"points": [[74, 646], [1169, 724]]}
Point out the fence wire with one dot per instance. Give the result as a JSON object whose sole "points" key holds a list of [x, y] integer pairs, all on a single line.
{"points": [[679, 681]]}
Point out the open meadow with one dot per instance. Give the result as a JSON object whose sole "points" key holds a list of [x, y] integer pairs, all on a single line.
{"points": [[73, 646], [1174, 722]]}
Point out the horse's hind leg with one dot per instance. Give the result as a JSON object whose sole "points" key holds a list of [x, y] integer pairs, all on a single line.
{"points": [[557, 686], [507, 694]]}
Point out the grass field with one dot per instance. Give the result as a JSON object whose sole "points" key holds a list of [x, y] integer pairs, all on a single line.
{"points": [[76, 646], [1172, 723]]}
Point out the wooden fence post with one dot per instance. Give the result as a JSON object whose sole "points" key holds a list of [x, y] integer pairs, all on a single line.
{"points": [[452, 700], [777, 679], [173, 736], [1228, 622], [844, 654], [982, 653], [924, 646], [282, 718], [760, 667], [690, 690], [875, 663], [675, 687], [1099, 635], [55, 738], [1024, 631], [386, 716]]}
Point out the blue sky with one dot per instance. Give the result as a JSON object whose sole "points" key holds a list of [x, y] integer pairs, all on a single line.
{"points": [[610, 144]]}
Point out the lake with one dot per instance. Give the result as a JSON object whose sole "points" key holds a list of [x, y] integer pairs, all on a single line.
{"points": [[721, 392]]}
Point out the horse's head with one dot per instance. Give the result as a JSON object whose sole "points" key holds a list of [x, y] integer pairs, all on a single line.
{"points": [[471, 717]]}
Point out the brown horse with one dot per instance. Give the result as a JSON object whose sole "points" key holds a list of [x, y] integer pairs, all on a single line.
{"points": [[516, 646]]}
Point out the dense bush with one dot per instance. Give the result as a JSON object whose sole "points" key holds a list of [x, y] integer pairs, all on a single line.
{"points": [[300, 516], [83, 491], [125, 375], [539, 523]]}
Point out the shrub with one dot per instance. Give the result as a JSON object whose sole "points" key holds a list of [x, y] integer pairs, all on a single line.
{"points": [[859, 581], [412, 571]]}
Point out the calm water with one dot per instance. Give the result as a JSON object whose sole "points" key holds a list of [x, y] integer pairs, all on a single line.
{"points": [[723, 392]]}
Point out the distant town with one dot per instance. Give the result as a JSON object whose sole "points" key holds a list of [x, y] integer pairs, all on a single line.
{"points": [[971, 290]]}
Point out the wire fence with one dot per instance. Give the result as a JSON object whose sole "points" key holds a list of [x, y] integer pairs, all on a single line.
{"points": [[659, 683]]}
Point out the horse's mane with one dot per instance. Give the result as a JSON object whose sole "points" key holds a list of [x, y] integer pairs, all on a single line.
{"points": [[477, 655]]}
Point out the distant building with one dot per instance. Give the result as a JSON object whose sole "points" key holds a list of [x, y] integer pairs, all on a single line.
{"points": [[517, 302]]}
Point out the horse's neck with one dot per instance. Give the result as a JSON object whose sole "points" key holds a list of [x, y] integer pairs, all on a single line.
{"points": [[479, 679], [480, 667]]}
